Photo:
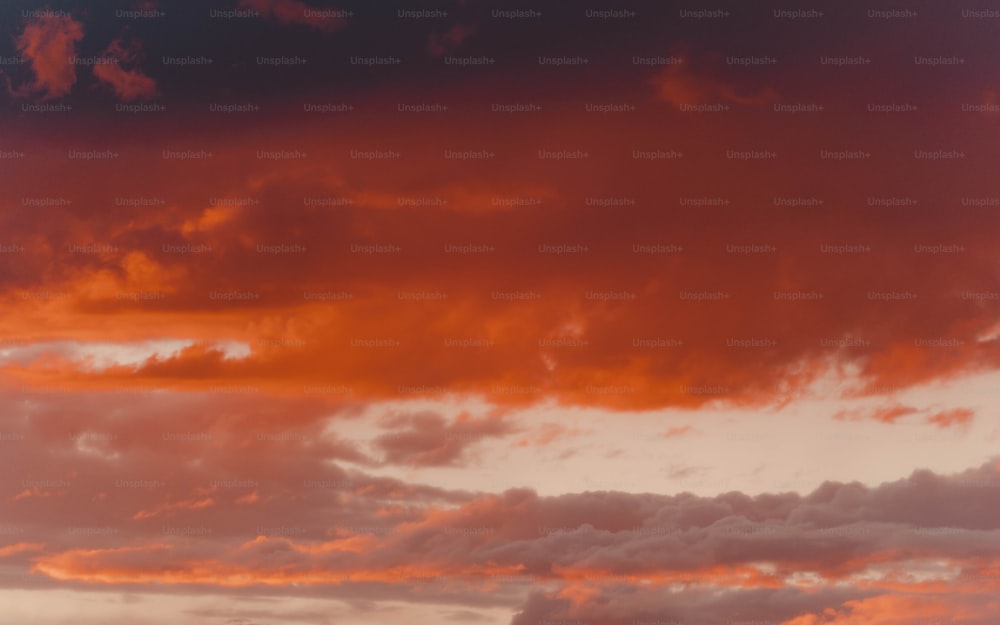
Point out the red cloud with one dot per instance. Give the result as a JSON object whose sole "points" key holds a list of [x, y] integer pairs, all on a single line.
{"points": [[128, 84], [48, 43], [682, 84], [482, 212], [295, 12], [440, 44]]}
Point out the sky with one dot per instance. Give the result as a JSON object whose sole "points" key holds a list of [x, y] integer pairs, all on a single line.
{"points": [[383, 312]]}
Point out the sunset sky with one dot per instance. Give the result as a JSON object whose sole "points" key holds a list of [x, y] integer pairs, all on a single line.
{"points": [[382, 313]]}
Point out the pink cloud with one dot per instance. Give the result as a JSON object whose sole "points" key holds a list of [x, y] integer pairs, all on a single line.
{"points": [[427, 439]]}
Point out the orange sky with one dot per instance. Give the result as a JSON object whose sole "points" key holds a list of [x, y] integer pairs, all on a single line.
{"points": [[698, 326]]}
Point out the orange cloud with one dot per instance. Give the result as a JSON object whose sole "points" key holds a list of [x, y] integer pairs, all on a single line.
{"points": [[608, 306], [897, 610], [18, 548], [883, 414], [957, 417], [677, 431]]}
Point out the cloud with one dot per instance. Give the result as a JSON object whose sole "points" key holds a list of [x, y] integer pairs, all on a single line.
{"points": [[547, 434], [48, 43], [849, 533], [958, 417], [926, 545], [882, 414], [785, 606], [428, 439], [254, 491], [441, 43], [904, 610], [616, 604], [488, 210], [697, 81], [675, 431], [890, 414], [17, 548], [127, 83], [296, 12], [244, 470]]}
